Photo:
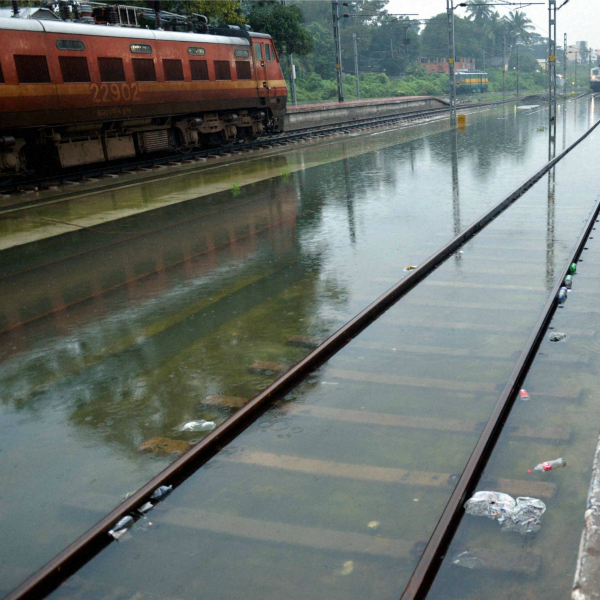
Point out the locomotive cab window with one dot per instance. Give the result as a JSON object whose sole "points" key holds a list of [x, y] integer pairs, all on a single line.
{"points": [[1, 74], [241, 53], [196, 51], [257, 51], [140, 49], [268, 52], [70, 45]]}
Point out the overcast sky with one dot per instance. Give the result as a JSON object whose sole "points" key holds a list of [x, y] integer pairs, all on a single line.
{"points": [[579, 19]]}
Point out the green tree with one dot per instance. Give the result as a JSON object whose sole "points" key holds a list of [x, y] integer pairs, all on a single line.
{"points": [[283, 23], [221, 12], [479, 11], [494, 30], [518, 25], [322, 59]]}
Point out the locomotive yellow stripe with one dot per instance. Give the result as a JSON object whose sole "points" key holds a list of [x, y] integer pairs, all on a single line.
{"points": [[77, 89]]}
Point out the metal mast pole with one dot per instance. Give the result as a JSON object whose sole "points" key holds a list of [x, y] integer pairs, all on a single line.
{"points": [[504, 68], [551, 79], [565, 68], [354, 38], [338, 49], [451, 59], [518, 71], [484, 60], [291, 71]]}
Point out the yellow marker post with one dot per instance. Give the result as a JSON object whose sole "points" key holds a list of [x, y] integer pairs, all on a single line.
{"points": [[462, 123]]}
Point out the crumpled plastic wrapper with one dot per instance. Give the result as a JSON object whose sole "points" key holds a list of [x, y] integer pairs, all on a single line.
{"points": [[523, 515], [557, 336]]}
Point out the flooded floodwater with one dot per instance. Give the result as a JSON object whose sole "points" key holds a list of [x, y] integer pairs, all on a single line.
{"points": [[115, 335]]}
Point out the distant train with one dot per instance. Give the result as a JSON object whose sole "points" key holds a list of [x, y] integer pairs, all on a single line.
{"points": [[595, 79], [470, 82], [75, 94]]}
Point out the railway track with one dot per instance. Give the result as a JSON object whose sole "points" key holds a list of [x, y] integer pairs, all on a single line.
{"points": [[65, 182], [96, 539]]}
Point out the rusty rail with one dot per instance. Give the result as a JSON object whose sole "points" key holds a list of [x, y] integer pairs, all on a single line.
{"points": [[439, 542]]}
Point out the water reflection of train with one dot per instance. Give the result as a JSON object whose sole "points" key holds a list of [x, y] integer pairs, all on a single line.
{"points": [[595, 79], [190, 239]]}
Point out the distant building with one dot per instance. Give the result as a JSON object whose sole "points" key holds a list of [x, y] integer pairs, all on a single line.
{"points": [[574, 53], [440, 65]]}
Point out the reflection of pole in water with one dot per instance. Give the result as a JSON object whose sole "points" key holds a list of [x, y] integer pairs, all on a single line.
{"points": [[455, 189], [564, 122], [349, 203], [550, 228]]}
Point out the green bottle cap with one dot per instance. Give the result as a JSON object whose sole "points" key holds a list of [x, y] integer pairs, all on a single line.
{"points": [[572, 268]]}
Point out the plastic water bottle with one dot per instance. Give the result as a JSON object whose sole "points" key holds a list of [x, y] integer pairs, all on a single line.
{"points": [[562, 295], [550, 465], [569, 281], [573, 269]]}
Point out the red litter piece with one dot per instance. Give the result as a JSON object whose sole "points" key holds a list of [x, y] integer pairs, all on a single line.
{"points": [[524, 395]]}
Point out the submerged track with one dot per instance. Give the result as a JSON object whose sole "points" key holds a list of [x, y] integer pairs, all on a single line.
{"points": [[92, 542]]}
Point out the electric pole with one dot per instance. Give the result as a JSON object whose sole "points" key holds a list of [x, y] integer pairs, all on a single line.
{"points": [[338, 49], [518, 72], [552, 76], [504, 68], [565, 68], [291, 71], [354, 40], [451, 59], [484, 61]]}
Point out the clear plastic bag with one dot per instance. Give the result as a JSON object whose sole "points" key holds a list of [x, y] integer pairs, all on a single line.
{"points": [[200, 425], [523, 515]]}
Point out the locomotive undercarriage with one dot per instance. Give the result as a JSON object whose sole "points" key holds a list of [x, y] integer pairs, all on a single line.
{"points": [[71, 146]]}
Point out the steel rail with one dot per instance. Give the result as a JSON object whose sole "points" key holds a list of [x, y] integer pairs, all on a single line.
{"points": [[165, 160], [439, 542], [88, 545]]}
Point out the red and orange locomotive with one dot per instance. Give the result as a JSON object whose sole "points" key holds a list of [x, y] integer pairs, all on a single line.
{"points": [[74, 94]]}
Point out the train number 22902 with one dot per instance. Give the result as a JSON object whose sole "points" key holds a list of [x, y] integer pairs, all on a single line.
{"points": [[114, 92]]}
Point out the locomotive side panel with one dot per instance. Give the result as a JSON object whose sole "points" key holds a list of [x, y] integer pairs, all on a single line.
{"points": [[85, 94]]}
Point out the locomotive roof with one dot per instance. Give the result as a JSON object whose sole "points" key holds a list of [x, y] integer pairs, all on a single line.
{"points": [[81, 29]]}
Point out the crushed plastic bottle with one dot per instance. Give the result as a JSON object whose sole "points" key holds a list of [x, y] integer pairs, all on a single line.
{"points": [[121, 527], [410, 268], [146, 508], [568, 282], [550, 465], [200, 425], [161, 491], [556, 336], [562, 295], [573, 269], [466, 559], [523, 515]]}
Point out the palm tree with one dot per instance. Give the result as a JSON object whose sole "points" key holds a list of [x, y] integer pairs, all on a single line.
{"points": [[479, 10], [494, 29], [519, 25]]}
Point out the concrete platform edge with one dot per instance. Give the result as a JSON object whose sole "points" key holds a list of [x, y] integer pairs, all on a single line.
{"points": [[586, 585]]}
